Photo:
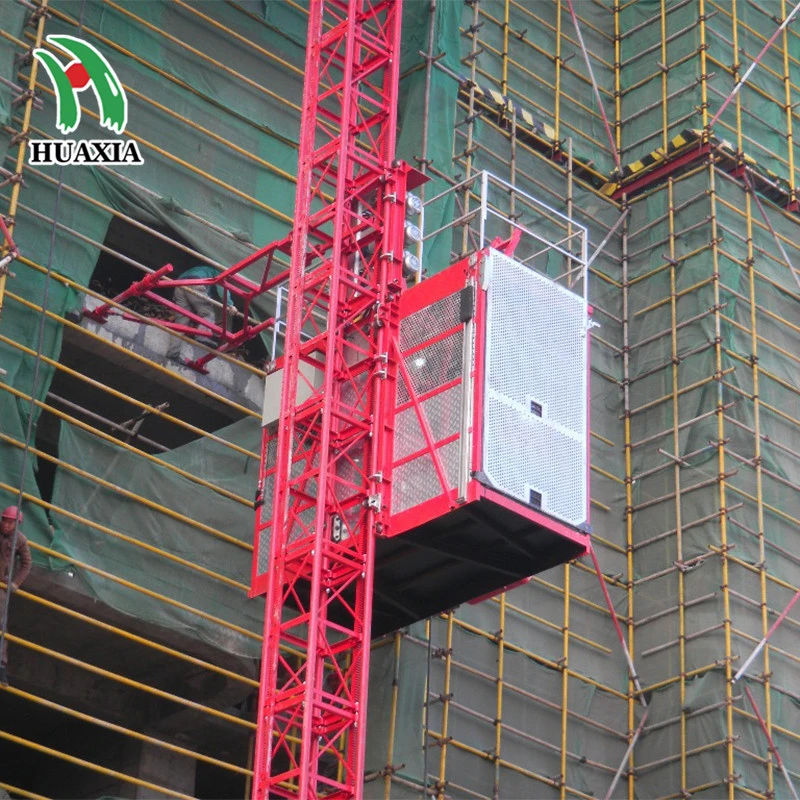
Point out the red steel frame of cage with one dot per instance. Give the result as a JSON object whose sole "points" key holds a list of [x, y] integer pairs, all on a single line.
{"points": [[333, 448]]}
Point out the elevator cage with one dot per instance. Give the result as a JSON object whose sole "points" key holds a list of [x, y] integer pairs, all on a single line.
{"points": [[489, 474], [490, 468], [492, 393]]}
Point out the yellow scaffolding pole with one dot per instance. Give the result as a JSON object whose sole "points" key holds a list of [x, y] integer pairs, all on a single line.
{"points": [[498, 722], [558, 59], [397, 641], [116, 631], [723, 526], [267, 54], [676, 449], [82, 762], [22, 792], [444, 737], [789, 111], [565, 683], [125, 445], [22, 145], [110, 726], [153, 410], [762, 556], [626, 339], [116, 214], [147, 503], [72, 561], [207, 176]]}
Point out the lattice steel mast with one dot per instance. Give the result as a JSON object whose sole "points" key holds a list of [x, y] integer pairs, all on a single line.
{"points": [[330, 469]]}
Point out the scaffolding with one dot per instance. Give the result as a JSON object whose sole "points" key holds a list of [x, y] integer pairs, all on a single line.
{"points": [[704, 300], [182, 649], [138, 609]]}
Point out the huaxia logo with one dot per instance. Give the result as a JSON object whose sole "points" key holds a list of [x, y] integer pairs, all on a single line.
{"points": [[88, 67]]}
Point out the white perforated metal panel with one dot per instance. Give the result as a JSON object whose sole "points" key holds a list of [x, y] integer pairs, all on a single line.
{"points": [[535, 404]]}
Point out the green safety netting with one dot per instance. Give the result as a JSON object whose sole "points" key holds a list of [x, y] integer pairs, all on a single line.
{"points": [[696, 412], [110, 506], [172, 524], [253, 143], [649, 93], [246, 101]]}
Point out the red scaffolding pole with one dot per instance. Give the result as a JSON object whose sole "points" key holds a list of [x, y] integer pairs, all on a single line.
{"points": [[329, 459]]}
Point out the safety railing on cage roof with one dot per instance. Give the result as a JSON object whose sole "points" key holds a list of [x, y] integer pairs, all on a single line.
{"points": [[545, 231]]}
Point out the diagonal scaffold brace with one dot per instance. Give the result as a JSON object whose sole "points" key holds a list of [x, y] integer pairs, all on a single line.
{"points": [[760, 646], [634, 676], [771, 743]]}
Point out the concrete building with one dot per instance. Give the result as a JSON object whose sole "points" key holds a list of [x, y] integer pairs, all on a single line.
{"points": [[133, 646]]}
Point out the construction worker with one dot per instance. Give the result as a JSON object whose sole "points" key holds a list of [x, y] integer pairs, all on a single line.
{"points": [[198, 300], [14, 575]]}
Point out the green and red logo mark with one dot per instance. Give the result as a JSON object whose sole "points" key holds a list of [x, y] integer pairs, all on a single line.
{"points": [[87, 68]]}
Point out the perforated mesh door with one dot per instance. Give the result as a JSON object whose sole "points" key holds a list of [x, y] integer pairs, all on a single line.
{"points": [[305, 517], [535, 412], [265, 511], [434, 371]]}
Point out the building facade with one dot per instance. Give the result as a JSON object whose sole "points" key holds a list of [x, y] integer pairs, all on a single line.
{"points": [[133, 646]]}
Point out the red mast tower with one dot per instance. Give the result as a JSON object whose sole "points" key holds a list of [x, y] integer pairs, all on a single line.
{"points": [[331, 453]]}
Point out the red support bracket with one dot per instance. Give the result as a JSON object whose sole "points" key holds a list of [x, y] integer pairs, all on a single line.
{"points": [[507, 246], [663, 171], [232, 284], [100, 314]]}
